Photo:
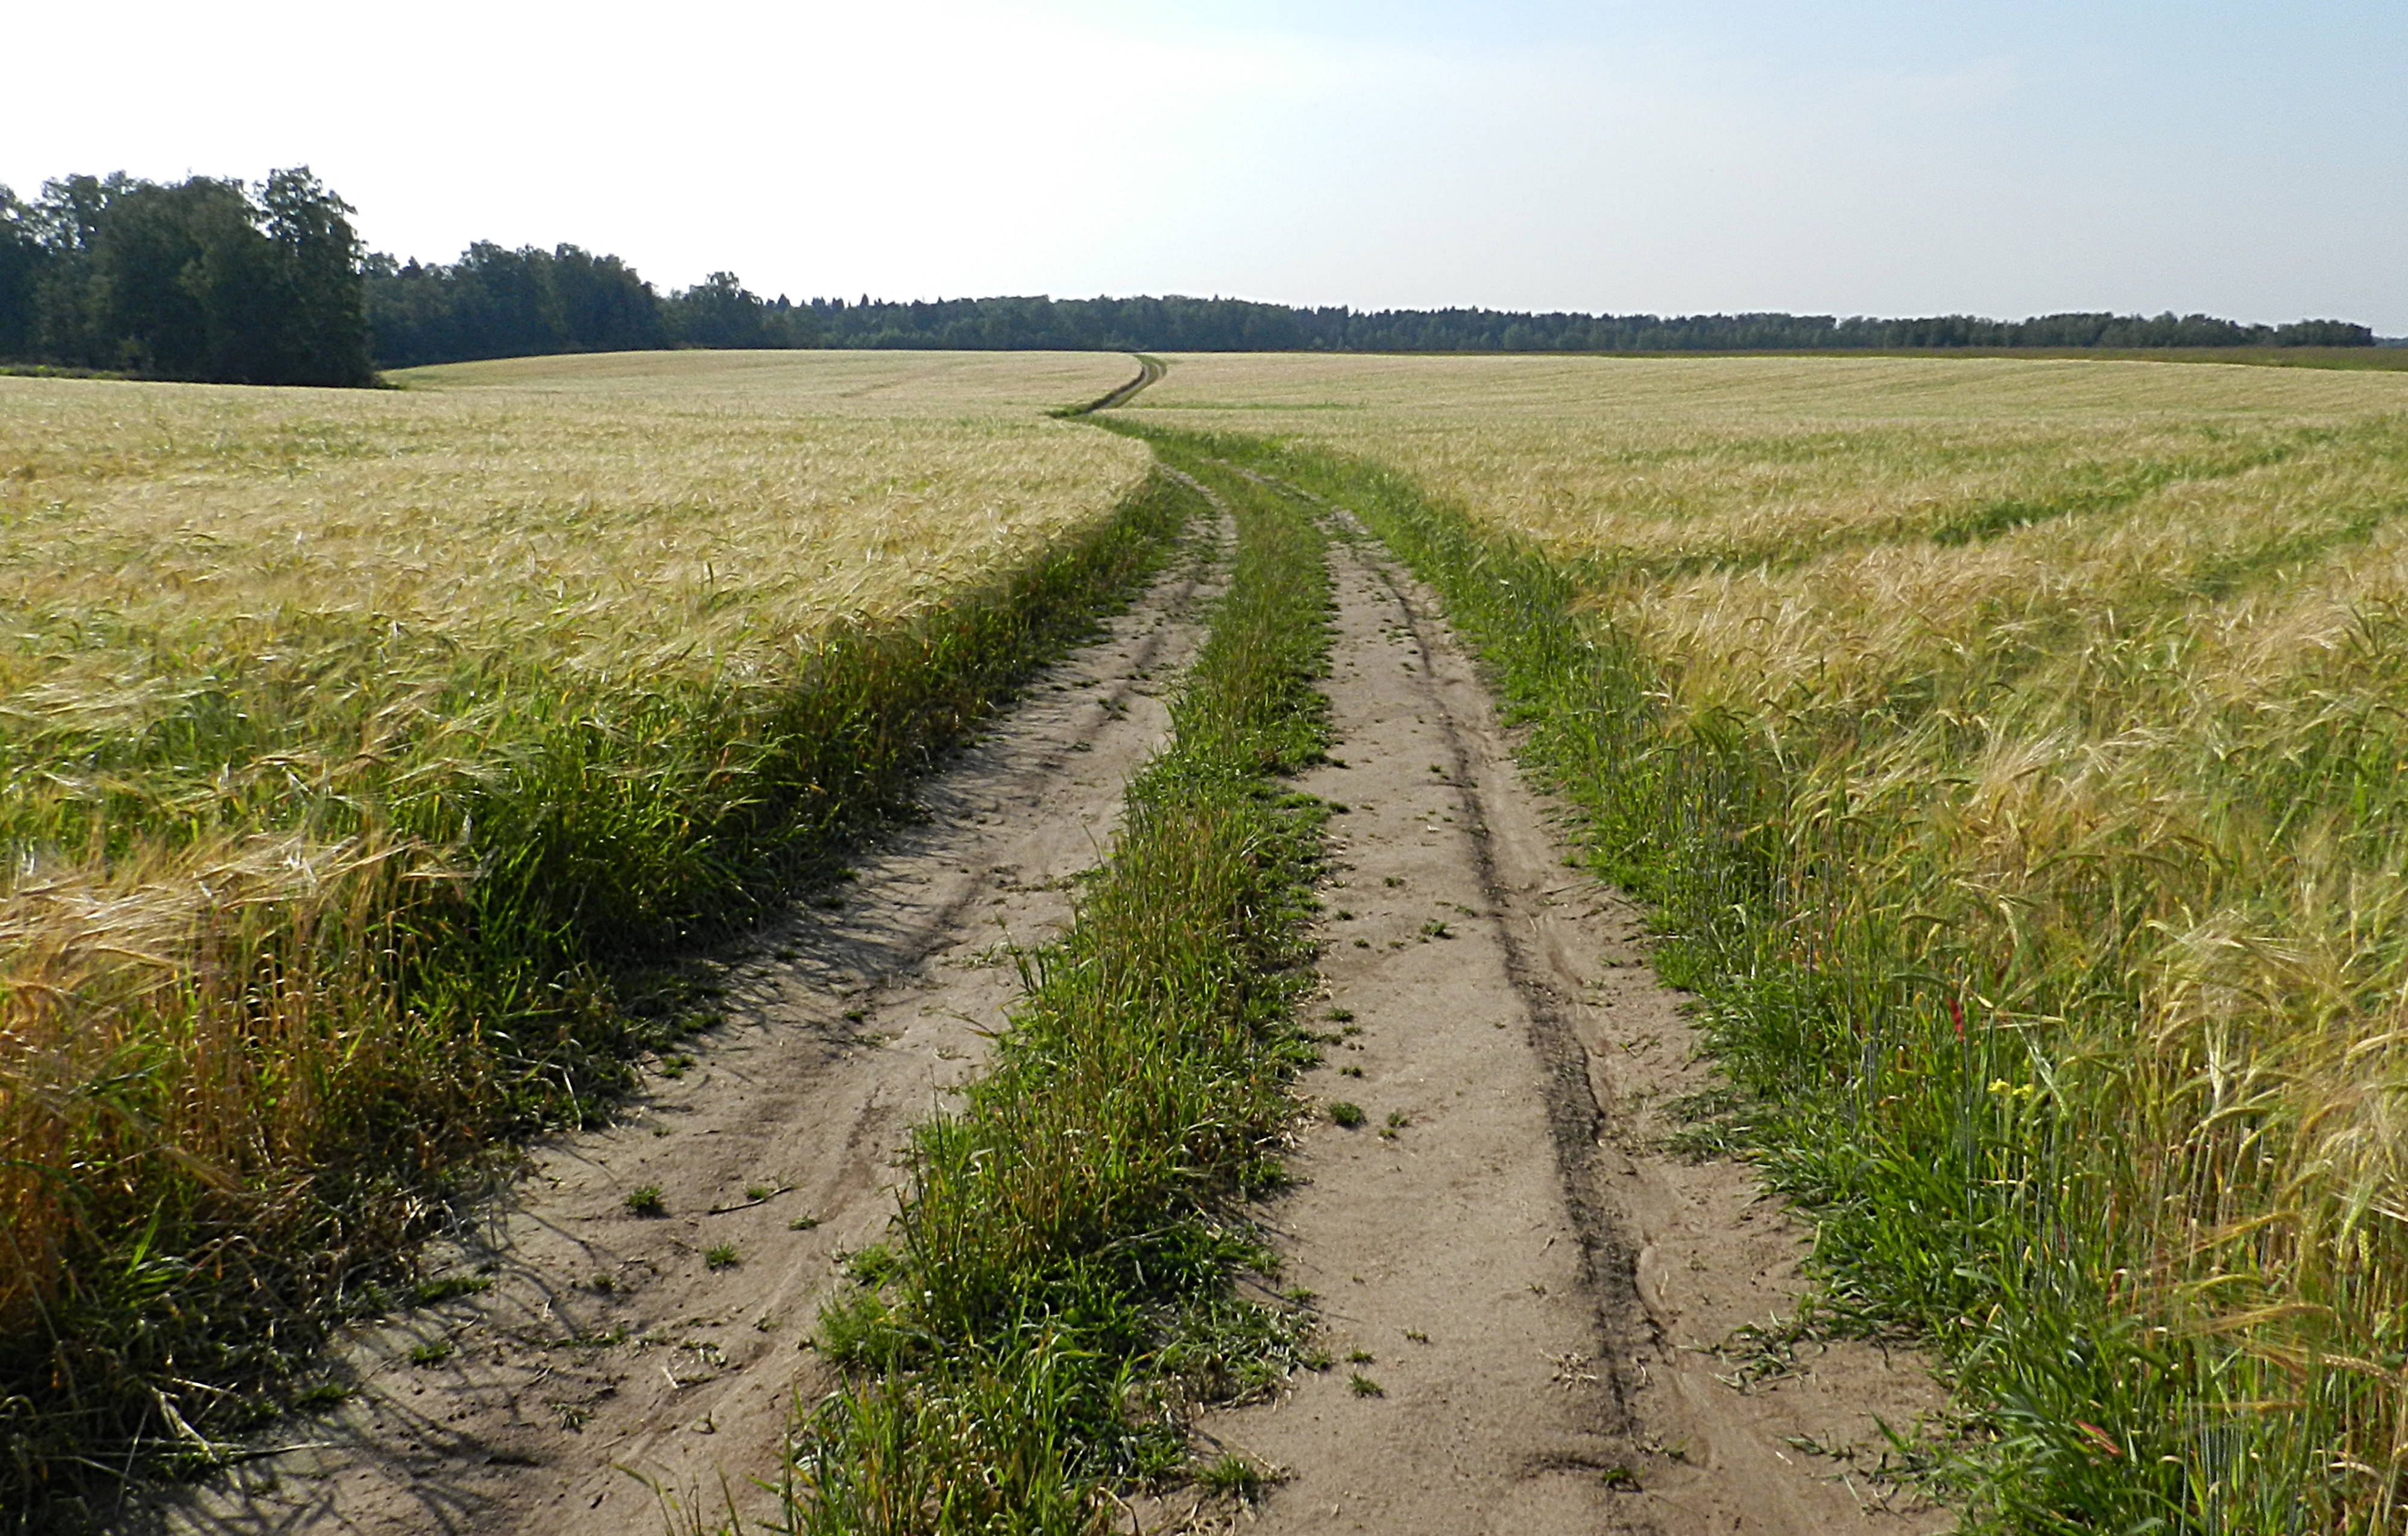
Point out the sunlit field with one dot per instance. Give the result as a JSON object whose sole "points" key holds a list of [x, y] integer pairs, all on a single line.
{"points": [[2016, 752], [339, 729]]}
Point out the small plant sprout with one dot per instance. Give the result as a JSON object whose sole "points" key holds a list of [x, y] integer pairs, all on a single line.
{"points": [[802, 1223], [645, 1200], [450, 1287], [1346, 1114], [1360, 1357], [1363, 1386], [722, 1256], [1233, 1476]]}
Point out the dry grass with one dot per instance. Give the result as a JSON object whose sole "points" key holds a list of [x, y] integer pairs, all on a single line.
{"points": [[2072, 697], [298, 686]]}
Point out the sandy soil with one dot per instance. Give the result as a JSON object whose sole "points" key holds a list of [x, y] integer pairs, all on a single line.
{"points": [[610, 1362], [1523, 1298]]}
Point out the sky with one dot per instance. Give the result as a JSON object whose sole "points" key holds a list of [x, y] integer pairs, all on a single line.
{"points": [[1885, 157]]}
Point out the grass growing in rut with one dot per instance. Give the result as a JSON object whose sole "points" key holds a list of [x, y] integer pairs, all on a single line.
{"points": [[350, 741], [2043, 873], [1059, 1289]]}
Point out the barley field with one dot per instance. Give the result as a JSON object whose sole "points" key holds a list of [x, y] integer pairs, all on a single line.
{"points": [[340, 731], [2029, 740]]}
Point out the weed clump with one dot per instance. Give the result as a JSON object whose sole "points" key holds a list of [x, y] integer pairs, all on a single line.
{"points": [[1232, 1476]]}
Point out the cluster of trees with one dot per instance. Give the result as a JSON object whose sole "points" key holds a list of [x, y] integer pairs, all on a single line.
{"points": [[497, 303], [213, 280], [200, 280]]}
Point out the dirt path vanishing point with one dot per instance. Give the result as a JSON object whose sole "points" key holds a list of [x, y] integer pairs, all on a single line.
{"points": [[1520, 1295], [609, 1341]]}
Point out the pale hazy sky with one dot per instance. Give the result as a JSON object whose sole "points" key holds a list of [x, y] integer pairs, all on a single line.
{"points": [[1885, 157]]}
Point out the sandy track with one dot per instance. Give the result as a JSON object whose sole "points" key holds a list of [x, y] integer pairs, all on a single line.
{"points": [[1536, 1289], [1540, 1290], [608, 1343]]}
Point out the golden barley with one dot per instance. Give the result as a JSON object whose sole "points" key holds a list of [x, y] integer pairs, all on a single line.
{"points": [[2086, 689], [268, 654]]}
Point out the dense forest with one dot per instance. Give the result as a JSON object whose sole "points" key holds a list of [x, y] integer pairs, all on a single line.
{"points": [[214, 280], [497, 303], [1192, 324], [201, 279]]}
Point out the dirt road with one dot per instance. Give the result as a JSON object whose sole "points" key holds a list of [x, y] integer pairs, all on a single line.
{"points": [[1525, 1298]]}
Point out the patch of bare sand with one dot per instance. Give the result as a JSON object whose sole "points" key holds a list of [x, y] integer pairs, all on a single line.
{"points": [[1522, 1296], [611, 1350]]}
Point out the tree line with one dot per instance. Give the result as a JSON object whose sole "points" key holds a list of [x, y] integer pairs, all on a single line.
{"points": [[499, 302], [1217, 325], [208, 278]]}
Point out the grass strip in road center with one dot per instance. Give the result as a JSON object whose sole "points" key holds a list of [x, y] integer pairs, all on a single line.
{"points": [[1062, 1285]]}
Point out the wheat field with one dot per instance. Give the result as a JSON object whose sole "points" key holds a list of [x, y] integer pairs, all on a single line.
{"points": [[337, 726], [2068, 700]]}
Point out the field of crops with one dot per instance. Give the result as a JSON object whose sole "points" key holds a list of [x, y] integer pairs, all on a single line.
{"points": [[2012, 751], [339, 731], [2016, 754]]}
